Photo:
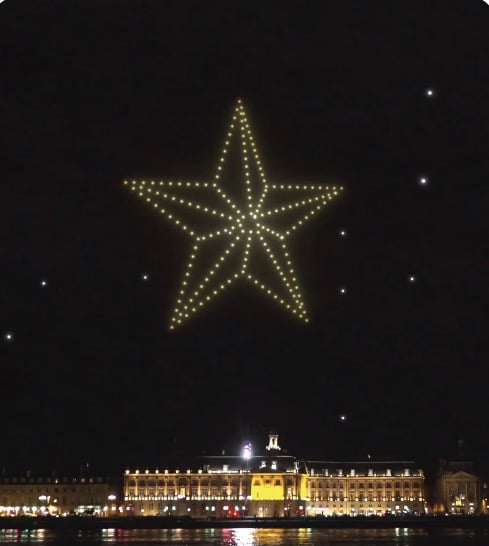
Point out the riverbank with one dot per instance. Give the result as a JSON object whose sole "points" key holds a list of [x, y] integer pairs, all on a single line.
{"points": [[155, 522]]}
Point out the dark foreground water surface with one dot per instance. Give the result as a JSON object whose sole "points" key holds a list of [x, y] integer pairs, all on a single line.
{"points": [[251, 537]]}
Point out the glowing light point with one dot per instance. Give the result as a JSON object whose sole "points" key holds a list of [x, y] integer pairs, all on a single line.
{"points": [[8, 337], [342, 290], [423, 180], [247, 451], [412, 278], [246, 230], [342, 233], [430, 92], [342, 417], [43, 283]]}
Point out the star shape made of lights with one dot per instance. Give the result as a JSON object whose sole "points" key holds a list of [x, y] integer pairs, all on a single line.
{"points": [[244, 238]]}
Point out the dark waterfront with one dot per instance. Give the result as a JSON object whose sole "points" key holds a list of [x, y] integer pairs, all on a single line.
{"points": [[251, 537]]}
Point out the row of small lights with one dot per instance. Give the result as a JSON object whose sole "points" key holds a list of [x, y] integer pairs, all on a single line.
{"points": [[187, 306], [340, 473], [143, 190], [374, 499], [422, 180], [183, 313]]}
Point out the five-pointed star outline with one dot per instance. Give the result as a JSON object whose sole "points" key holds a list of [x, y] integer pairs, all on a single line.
{"points": [[244, 226]]}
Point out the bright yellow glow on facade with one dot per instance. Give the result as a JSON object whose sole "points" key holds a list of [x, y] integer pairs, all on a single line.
{"points": [[246, 228], [267, 487], [303, 487]]}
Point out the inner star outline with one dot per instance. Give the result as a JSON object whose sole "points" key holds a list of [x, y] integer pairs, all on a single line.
{"points": [[246, 227]]}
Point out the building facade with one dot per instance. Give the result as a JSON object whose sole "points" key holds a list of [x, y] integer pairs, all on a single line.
{"points": [[29, 495], [364, 488], [457, 489], [221, 487], [276, 485]]}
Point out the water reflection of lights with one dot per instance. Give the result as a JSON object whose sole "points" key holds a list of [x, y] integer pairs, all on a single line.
{"points": [[247, 536], [109, 535], [23, 536], [243, 537]]}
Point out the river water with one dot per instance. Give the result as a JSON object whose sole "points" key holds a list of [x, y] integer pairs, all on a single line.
{"points": [[250, 537]]}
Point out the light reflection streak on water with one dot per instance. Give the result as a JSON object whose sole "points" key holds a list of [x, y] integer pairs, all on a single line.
{"points": [[248, 537]]}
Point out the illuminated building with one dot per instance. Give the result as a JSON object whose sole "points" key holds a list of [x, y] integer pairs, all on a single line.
{"points": [[28, 495], [457, 488], [267, 486], [275, 485], [364, 488]]}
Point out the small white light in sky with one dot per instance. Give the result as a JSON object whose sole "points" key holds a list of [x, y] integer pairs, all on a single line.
{"points": [[412, 278], [423, 180], [342, 417], [342, 233], [342, 290], [429, 92], [44, 283], [8, 336], [145, 276]]}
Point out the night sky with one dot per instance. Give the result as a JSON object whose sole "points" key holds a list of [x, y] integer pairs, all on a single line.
{"points": [[373, 95]]}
